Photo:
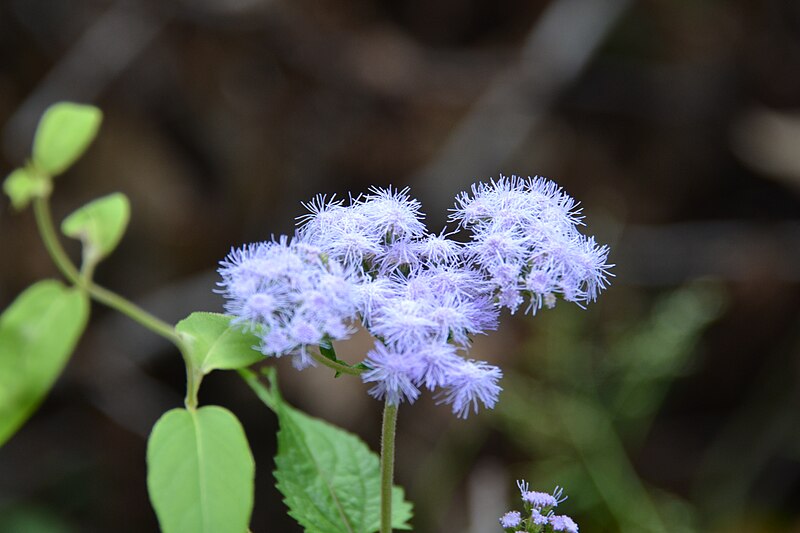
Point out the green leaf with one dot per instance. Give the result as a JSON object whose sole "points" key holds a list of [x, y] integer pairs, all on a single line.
{"points": [[329, 478], [38, 332], [23, 185], [215, 344], [99, 225], [200, 472], [65, 131]]}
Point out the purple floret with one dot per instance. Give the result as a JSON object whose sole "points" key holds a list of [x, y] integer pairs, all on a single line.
{"points": [[511, 519]]}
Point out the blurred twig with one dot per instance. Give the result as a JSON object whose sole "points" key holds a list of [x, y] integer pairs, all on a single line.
{"points": [[104, 51], [671, 254], [556, 50], [763, 431]]}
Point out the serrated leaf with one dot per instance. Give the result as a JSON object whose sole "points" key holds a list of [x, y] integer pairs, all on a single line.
{"points": [[215, 344], [329, 478], [200, 472], [38, 333], [64, 133], [23, 185], [99, 225]]}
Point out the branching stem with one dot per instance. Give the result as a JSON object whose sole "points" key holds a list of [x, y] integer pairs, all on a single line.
{"points": [[82, 280], [44, 221]]}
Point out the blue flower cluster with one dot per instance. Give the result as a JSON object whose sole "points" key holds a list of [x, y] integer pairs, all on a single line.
{"points": [[423, 296], [525, 240], [539, 516]]}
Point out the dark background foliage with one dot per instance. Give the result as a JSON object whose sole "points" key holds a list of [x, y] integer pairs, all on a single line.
{"points": [[669, 405]]}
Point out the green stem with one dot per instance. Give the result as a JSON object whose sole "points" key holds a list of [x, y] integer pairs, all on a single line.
{"points": [[193, 378], [44, 221], [339, 367], [83, 280], [135, 313], [387, 464]]}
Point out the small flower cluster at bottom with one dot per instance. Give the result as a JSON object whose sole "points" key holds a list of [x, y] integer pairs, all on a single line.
{"points": [[538, 516]]}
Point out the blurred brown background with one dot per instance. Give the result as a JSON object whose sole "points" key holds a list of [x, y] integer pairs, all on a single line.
{"points": [[669, 405]]}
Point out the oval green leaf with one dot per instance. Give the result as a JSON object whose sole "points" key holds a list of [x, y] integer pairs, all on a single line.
{"points": [[99, 225], [64, 133], [23, 185], [215, 344], [329, 478], [38, 333], [200, 472]]}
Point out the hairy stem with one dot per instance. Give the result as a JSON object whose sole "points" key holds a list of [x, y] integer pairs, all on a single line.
{"points": [[387, 464]]}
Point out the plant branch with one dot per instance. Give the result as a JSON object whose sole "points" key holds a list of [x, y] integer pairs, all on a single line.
{"points": [[44, 221], [339, 367]]}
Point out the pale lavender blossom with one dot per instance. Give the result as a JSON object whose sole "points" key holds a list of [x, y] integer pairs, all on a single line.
{"points": [[439, 249], [392, 213], [472, 382], [458, 318], [400, 253], [393, 374], [404, 322], [343, 233], [423, 296], [525, 238], [538, 518], [437, 363], [399, 371], [374, 294], [539, 499], [460, 281], [511, 519], [284, 292], [563, 523], [419, 313]]}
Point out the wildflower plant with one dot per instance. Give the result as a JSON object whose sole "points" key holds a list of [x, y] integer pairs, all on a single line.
{"points": [[366, 262], [538, 514]]}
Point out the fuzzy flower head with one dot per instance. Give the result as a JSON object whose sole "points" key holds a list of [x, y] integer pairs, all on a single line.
{"points": [[375, 233], [428, 308], [392, 213], [563, 523], [525, 238], [398, 373], [471, 383], [511, 519], [394, 374], [540, 500], [339, 231], [285, 292]]}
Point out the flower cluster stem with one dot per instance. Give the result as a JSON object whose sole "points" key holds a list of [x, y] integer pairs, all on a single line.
{"points": [[387, 464], [339, 367]]}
